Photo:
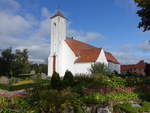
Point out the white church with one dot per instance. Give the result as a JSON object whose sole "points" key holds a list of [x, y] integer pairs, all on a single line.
{"points": [[73, 55]]}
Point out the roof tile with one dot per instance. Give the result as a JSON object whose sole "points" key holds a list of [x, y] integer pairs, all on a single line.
{"points": [[86, 52]]}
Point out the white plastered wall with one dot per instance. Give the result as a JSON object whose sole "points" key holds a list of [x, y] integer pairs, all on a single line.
{"points": [[83, 68], [102, 58], [67, 59], [114, 67]]}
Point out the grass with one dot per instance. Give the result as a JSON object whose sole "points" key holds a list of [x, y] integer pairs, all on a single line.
{"points": [[24, 82]]}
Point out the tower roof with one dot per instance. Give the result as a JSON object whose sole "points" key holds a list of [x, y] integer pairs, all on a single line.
{"points": [[58, 13]]}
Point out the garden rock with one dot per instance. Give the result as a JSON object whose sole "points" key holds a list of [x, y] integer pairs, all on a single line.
{"points": [[136, 105], [87, 109], [101, 109], [4, 80]]}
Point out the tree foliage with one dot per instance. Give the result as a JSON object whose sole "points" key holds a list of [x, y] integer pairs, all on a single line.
{"points": [[144, 13], [98, 68], [13, 64], [55, 81], [39, 68], [7, 61], [147, 69], [68, 79]]}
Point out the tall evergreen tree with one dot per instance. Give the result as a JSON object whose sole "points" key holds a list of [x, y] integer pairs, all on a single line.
{"points": [[55, 81], [68, 79]]}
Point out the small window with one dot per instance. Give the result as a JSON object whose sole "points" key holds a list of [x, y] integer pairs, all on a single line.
{"points": [[54, 24]]}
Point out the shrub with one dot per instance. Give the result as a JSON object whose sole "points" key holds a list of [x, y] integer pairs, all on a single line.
{"points": [[133, 81], [99, 68], [68, 79], [53, 101], [126, 107], [55, 81], [117, 82], [94, 98], [100, 81], [14, 105], [145, 107], [121, 96]]}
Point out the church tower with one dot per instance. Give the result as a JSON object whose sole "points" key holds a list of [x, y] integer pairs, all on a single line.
{"points": [[58, 32], [58, 35]]}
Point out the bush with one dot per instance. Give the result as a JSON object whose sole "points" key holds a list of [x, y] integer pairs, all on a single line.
{"points": [[126, 107], [55, 81], [133, 81], [94, 98], [121, 96], [118, 82], [15, 105], [100, 81], [53, 101], [68, 79], [99, 68], [145, 107]]}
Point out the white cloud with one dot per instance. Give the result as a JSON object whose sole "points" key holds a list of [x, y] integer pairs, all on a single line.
{"points": [[127, 48], [27, 32], [129, 58], [9, 5], [130, 54], [45, 12], [13, 24], [85, 36], [24, 32], [145, 47]]}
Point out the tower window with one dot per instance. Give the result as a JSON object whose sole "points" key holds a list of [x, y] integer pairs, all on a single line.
{"points": [[54, 24]]}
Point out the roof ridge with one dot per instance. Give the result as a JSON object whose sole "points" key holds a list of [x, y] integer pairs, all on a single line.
{"points": [[82, 42]]}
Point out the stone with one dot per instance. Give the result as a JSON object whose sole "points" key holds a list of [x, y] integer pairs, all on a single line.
{"points": [[136, 105], [4, 80], [87, 109], [103, 110], [43, 76]]}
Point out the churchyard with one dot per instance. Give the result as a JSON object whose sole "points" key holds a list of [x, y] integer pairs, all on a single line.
{"points": [[100, 91], [76, 77]]}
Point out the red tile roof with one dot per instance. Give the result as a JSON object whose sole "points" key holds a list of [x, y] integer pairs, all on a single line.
{"points": [[86, 52], [111, 58], [140, 65]]}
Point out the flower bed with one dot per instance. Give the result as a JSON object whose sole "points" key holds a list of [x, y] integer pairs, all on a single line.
{"points": [[108, 90]]}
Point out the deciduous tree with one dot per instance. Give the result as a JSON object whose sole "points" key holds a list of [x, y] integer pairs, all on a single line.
{"points": [[144, 14]]}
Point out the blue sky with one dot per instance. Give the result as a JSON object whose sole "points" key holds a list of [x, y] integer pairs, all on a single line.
{"points": [[110, 24]]}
